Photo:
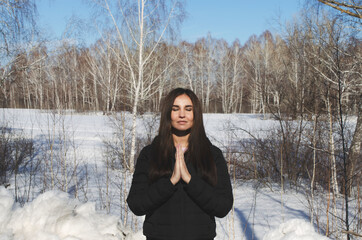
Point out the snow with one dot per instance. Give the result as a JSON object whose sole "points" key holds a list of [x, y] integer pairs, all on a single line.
{"points": [[55, 216], [260, 212], [295, 229]]}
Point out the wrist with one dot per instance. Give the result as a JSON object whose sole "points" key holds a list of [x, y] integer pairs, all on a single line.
{"points": [[173, 181]]}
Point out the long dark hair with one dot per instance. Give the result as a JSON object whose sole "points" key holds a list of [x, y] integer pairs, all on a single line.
{"points": [[199, 146]]}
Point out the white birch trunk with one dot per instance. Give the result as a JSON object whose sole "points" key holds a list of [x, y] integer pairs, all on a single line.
{"points": [[137, 89], [313, 172], [332, 150], [133, 134]]}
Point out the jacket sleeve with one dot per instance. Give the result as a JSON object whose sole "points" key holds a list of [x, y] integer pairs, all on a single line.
{"points": [[144, 197], [215, 201]]}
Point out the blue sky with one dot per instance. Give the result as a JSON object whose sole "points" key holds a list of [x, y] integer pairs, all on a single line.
{"points": [[231, 19], [227, 19]]}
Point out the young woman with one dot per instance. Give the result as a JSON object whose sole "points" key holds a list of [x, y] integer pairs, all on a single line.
{"points": [[181, 182]]}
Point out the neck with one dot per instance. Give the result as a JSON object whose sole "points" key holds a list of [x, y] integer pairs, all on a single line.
{"points": [[180, 133], [181, 140]]}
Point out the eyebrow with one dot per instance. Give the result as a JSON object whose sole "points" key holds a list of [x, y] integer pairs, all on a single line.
{"points": [[179, 106]]}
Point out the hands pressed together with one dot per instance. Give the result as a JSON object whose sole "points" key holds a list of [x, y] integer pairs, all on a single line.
{"points": [[180, 170]]}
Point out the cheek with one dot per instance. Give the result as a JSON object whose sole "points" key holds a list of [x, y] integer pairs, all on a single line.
{"points": [[191, 116], [173, 117]]}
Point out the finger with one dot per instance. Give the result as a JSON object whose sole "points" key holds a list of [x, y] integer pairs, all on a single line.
{"points": [[179, 149], [185, 174], [179, 153], [178, 159]]}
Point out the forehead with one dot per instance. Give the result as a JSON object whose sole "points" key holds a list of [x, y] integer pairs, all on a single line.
{"points": [[182, 100]]}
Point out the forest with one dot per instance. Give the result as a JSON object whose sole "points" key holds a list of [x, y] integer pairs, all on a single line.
{"points": [[307, 77]]}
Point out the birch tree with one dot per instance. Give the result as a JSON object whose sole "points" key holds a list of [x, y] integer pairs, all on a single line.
{"points": [[230, 76], [17, 25], [186, 64], [200, 54], [339, 67], [140, 26], [352, 7], [223, 75], [204, 66], [254, 68]]}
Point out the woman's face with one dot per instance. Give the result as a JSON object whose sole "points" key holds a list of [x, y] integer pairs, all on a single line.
{"points": [[182, 113]]}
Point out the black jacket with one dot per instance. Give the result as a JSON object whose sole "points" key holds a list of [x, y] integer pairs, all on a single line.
{"points": [[184, 211]]}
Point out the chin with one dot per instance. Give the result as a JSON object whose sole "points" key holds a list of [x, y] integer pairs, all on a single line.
{"points": [[183, 128]]}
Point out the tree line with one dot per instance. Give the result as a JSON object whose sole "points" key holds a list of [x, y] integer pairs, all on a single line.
{"points": [[292, 74]]}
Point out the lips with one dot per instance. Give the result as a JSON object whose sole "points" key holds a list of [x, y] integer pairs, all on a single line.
{"points": [[182, 122]]}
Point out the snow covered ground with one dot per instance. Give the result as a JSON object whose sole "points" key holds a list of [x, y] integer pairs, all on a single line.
{"points": [[55, 216], [260, 212]]}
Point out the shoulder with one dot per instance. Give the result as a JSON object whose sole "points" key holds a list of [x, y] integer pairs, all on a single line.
{"points": [[220, 161], [215, 150], [217, 154], [146, 151], [144, 155], [147, 148]]}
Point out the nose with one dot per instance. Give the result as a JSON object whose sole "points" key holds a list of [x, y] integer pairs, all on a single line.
{"points": [[182, 113]]}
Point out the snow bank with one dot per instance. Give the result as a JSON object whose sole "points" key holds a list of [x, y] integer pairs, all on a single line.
{"points": [[295, 229], [54, 216], [6, 203]]}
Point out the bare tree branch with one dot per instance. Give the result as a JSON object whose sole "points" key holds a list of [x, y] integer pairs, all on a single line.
{"points": [[344, 7]]}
